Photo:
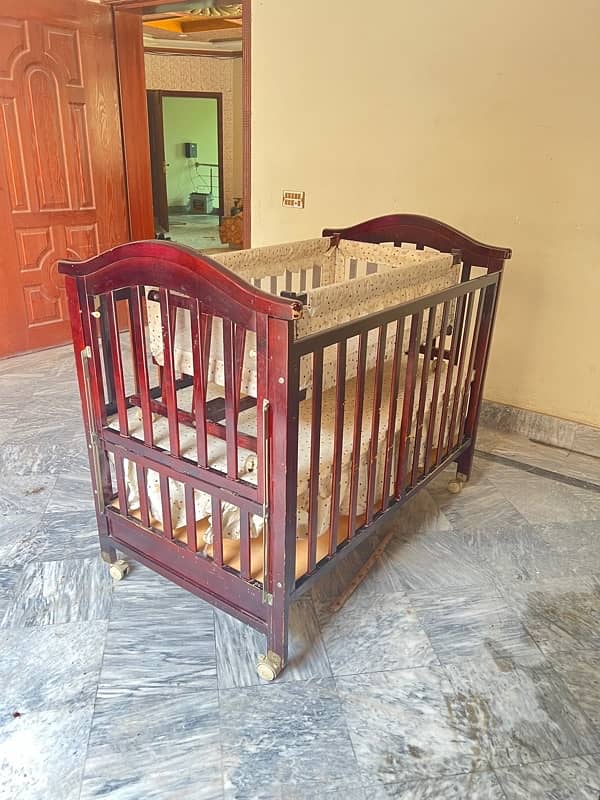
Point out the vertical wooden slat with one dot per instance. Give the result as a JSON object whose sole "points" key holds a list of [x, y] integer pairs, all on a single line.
{"points": [[117, 363], [336, 469], [315, 450], [206, 332], [357, 434], [423, 392], [121, 487], [141, 361], [240, 345], [392, 411], [409, 399], [231, 401], [245, 572], [450, 370], [168, 387], [190, 518], [469, 373], [464, 346], [143, 495], [165, 501], [199, 388], [436, 385], [375, 417], [217, 530]]}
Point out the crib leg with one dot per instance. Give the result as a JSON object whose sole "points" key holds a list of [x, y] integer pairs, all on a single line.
{"points": [[119, 568], [463, 471], [108, 553], [270, 665]]}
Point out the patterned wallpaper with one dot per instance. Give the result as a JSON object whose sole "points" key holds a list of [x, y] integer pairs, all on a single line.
{"points": [[200, 74]]}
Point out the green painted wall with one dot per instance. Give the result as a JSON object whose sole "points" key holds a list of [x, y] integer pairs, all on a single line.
{"points": [[190, 119]]}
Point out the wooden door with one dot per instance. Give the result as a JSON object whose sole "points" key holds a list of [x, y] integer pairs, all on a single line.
{"points": [[158, 160], [62, 188]]}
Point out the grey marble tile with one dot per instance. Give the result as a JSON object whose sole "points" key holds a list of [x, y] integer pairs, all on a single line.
{"points": [[473, 786], [577, 543], [51, 592], [516, 554], [288, 735], [520, 448], [472, 622], [583, 466], [587, 440], [567, 779], [542, 427], [580, 672], [42, 754], [374, 633], [39, 457], [20, 538], [561, 614], [164, 747], [518, 715], [544, 500], [160, 638], [480, 505], [402, 726], [24, 494], [67, 535], [434, 560], [239, 645], [9, 577], [53, 666], [421, 514], [72, 492]]}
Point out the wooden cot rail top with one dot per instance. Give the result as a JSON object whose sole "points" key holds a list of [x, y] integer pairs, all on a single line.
{"points": [[181, 269], [417, 229]]}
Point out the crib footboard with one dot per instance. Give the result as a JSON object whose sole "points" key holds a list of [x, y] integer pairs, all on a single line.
{"points": [[173, 457]]}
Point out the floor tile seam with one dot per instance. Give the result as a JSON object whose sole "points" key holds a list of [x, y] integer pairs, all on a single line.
{"points": [[540, 472], [321, 636]]}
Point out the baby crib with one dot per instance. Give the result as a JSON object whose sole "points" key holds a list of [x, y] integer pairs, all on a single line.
{"points": [[250, 422]]}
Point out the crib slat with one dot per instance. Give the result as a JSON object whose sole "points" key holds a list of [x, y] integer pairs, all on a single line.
{"points": [[141, 362], [143, 495], [206, 330], [464, 346], [165, 501], [190, 518], [357, 435], [436, 385], [117, 363], [469, 372], [217, 530], [451, 361], [409, 400], [121, 487], [315, 451], [375, 417], [240, 345], [392, 411], [244, 545], [231, 401], [168, 387], [336, 470], [199, 390], [423, 393]]}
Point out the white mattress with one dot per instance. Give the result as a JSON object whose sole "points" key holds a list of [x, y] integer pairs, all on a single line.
{"points": [[247, 419]]}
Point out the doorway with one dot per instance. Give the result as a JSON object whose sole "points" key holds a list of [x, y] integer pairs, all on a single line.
{"points": [[186, 153]]}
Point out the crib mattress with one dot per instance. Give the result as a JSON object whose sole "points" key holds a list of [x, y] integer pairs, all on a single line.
{"points": [[217, 457]]}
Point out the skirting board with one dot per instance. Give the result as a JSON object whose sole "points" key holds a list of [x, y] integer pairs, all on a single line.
{"points": [[542, 427]]}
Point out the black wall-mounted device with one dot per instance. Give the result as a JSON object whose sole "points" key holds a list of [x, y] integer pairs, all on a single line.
{"points": [[190, 149]]}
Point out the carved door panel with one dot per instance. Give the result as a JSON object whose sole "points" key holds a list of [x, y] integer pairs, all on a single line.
{"points": [[62, 188]]}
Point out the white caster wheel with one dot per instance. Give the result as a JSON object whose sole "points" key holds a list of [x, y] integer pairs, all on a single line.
{"points": [[269, 666], [454, 486], [119, 570]]}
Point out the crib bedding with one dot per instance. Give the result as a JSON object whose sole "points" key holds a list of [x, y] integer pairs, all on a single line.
{"points": [[351, 276], [246, 465]]}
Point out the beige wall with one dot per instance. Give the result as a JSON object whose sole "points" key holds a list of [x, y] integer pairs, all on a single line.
{"points": [[198, 74], [486, 115]]}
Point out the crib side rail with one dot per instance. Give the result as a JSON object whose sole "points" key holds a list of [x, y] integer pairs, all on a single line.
{"points": [[400, 422]]}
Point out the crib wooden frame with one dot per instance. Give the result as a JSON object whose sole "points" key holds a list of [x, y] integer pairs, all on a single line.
{"points": [[105, 288]]}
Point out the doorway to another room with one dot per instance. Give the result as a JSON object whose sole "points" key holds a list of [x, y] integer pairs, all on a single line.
{"points": [[186, 144]]}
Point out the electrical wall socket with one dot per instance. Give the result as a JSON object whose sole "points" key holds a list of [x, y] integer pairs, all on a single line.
{"points": [[293, 199]]}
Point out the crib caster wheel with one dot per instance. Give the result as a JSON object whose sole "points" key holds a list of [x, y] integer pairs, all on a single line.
{"points": [[455, 486], [119, 570], [269, 666]]}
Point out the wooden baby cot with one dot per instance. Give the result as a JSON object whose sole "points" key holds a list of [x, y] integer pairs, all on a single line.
{"points": [[208, 474]]}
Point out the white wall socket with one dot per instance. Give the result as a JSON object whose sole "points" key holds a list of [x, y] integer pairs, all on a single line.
{"points": [[292, 199]]}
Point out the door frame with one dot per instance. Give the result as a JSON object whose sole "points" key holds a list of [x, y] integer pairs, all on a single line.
{"points": [[129, 47], [218, 96]]}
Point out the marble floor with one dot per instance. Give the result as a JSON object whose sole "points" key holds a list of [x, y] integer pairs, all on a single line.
{"points": [[200, 231], [467, 665]]}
